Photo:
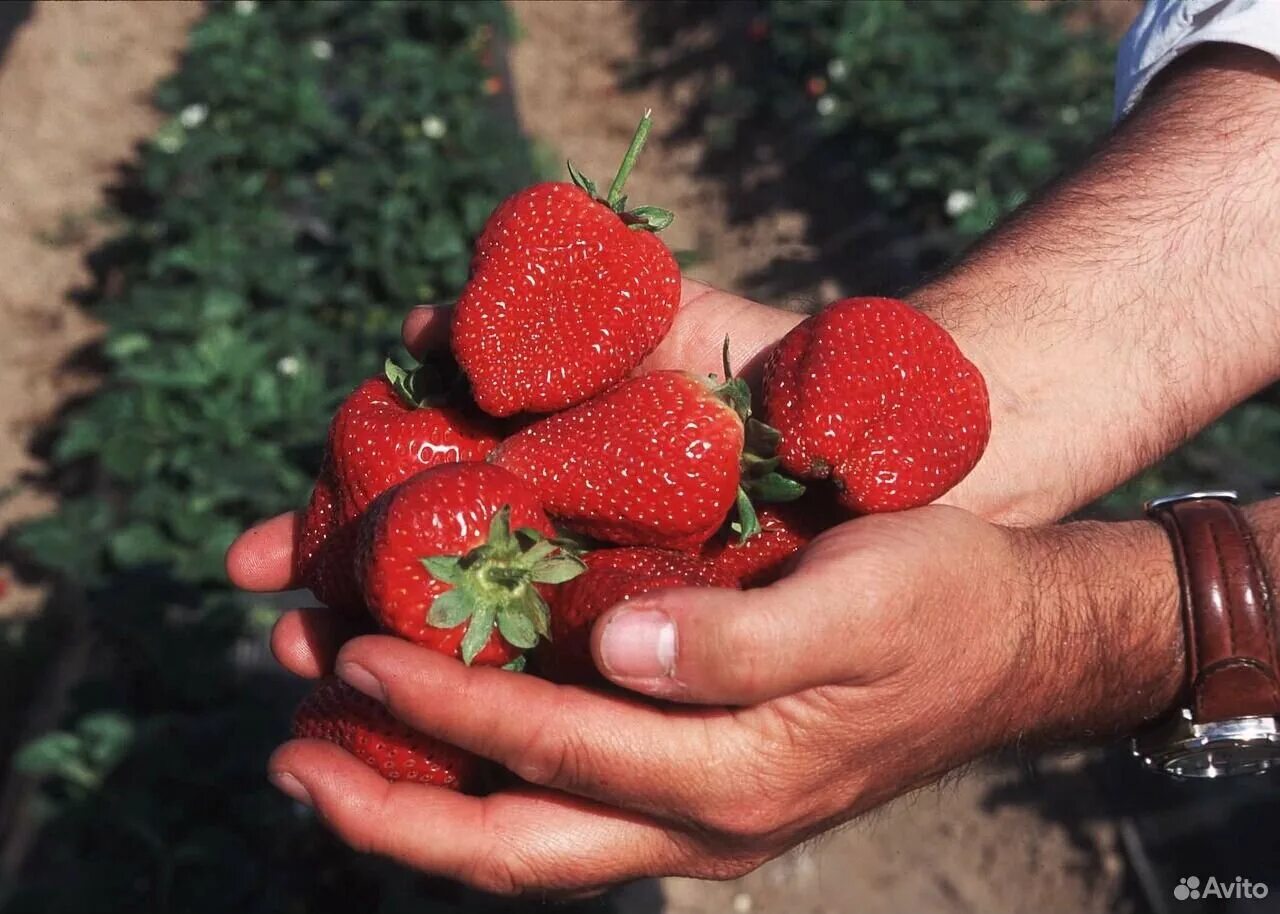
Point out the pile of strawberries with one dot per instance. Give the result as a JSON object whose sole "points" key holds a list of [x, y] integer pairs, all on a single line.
{"points": [[492, 506]]}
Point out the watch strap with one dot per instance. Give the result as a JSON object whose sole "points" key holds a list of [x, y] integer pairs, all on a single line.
{"points": [[1233, 668]]}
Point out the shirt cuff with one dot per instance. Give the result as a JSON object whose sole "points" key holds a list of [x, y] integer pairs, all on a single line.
{"points": [[1166, 29]]}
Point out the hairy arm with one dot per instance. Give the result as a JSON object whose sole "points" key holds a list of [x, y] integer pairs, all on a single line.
{"points": [[1135, 301]]}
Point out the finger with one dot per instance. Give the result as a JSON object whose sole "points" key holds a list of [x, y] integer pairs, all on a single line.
{"points": [[507, 843], [603, 747], [715, 646], [426, 329], [306, 641], [261, 558], [706, 316]]}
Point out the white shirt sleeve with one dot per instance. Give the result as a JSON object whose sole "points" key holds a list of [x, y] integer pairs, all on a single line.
{"points": [[1167, 28]]}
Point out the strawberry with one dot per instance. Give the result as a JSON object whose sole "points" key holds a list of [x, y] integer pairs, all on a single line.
{"points": [[875, 395], [568, 292], [389, 428], [454, 558], [612, 577], [658, 460], [339, 714], [785, 529]]}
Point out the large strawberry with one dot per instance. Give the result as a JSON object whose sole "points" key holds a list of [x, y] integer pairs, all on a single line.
{"points": [[658, 460], [339, 714], [873, 394], [785, 529], [612, 577], [455, 558], [389, 428], [568, 292]]}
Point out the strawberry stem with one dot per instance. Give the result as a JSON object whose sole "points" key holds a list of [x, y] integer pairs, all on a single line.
{"points": [[629, 160]]}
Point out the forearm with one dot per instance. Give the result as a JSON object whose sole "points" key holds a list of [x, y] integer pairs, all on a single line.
{"points": [[1108, 636], [1135, 302]]}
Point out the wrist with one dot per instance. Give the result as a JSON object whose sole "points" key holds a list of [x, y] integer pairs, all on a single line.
{"points": [[1106, 647]]}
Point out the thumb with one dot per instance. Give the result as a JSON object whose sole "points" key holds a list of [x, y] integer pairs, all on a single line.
{"points": [[715, 646]]}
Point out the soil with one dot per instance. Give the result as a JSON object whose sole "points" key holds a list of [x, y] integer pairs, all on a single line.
{"points": [[73, 103], [74, 94]]}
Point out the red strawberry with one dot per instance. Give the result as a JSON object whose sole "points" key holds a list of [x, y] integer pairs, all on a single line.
{"points": [[339, 714], [785, 529], [612, 576], [568, 292], [439, 563], [656, 461], [389, 428], [877, 396]]}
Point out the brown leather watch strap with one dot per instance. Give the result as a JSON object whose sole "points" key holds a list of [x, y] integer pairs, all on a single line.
{"points": [[1233, 668]]}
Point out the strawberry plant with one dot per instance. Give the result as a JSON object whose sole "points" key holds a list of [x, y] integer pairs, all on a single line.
{"points": [[322, 167]]}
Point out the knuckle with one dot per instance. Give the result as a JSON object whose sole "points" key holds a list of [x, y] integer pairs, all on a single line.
{"points": [[743, 822], [554, 756], [497, 875]]}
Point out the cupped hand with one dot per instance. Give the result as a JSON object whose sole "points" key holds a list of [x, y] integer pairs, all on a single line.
{"points": [[899, 647]]}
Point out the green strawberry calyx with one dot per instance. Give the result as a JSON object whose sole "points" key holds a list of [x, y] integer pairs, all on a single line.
{"points": [[644, 218], [758, 476], [437, 381], [493, 585]]}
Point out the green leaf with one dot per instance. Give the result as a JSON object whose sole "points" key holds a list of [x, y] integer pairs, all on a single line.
{"points": [[762, 439], [518, 629], [537, 552], [581, 180], [48, 754], [748, 522], [450, 609], [501, 540], [655, 217], [478, 632], [558, 569], [446, 568], [774, 487]]}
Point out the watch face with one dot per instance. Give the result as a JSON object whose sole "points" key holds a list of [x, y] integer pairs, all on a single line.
{"points": [[1246, 745]]}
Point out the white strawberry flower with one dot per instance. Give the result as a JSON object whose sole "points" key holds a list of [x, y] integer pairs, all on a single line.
{"points": [[193, 116], [960, 202], [434, 127]]}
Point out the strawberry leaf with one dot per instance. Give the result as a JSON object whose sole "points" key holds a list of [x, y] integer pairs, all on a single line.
{"points": [[478, 632], [748, 523], [537, 552], [518, 629], [558, 569], [501, 540], [536, 609], [651, 218], [582, 180], [449, 610], [445, 568], [774, 487], [517, 665]]}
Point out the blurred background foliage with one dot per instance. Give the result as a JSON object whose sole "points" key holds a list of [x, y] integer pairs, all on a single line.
{"points": [[323, 167]]}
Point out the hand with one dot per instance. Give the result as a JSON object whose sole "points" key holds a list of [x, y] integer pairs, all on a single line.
{"points": [[900, 647], [706, 316]]}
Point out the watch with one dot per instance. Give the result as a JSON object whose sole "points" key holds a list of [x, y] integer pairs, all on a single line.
{"points": [[1229, 723]]}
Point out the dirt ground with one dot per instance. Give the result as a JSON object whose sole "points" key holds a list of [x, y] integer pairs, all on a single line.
{"points": [[73, 102], [946, 849]]}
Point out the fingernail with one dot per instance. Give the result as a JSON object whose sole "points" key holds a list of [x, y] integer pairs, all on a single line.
{"points": [[639, 644], [291, 787], [361, 679]]}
